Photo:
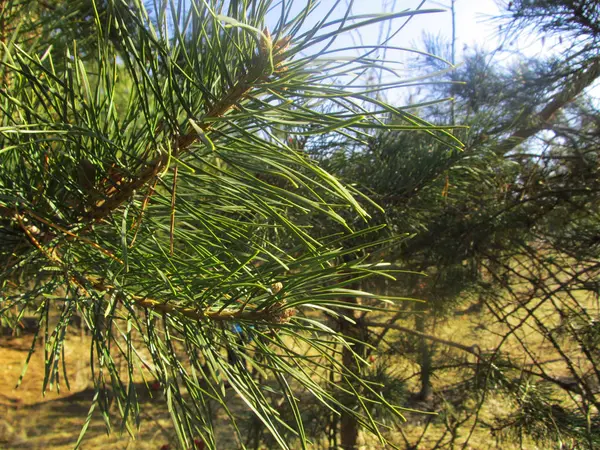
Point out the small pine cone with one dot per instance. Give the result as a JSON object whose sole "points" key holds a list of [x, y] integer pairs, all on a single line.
{"points": [[276, 287], [281, 315]]}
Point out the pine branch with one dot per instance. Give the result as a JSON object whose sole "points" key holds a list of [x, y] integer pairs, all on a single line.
{"points": [[471, 349], [90, 132], [540, 121], [260, 72]]}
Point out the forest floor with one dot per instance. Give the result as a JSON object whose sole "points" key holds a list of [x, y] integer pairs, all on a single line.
{"points": [[29, 420]]}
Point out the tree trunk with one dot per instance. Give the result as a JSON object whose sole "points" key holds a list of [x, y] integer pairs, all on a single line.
{"points": [[424, 356], [333, 420], [349, 427]]}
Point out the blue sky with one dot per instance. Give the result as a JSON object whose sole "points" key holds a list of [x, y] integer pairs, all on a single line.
{"points": [[475, 24], [472, 19]]}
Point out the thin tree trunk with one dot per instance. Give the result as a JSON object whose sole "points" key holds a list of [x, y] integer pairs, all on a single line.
{"points": [[349, 426], [333, 422], [453, 58], [424, 356]]}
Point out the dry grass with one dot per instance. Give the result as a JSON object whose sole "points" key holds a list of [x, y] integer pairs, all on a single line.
{"points": [[29, 420]]}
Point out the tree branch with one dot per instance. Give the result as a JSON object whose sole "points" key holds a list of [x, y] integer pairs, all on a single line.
{"points": [[572, 89], [473, 349]]}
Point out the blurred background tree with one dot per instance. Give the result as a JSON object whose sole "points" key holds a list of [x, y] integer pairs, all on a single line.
{"points": [[506, 231]]}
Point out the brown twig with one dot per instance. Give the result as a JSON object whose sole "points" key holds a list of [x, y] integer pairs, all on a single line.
{"points": [[173, 198], [75, 236], [138, 223]]}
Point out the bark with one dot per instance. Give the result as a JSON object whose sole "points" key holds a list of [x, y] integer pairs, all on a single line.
{"points": [[572, 89], [424, 356], [349, 426]]}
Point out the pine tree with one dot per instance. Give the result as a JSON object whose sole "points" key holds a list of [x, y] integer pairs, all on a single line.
{"points": [[150, 183], [506, 228]]}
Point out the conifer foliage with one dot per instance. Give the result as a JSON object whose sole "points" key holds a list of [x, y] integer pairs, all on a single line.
{"points": [[149, 184]]}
